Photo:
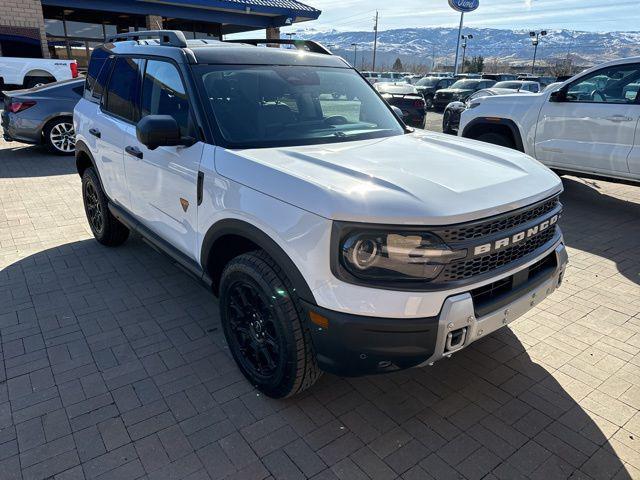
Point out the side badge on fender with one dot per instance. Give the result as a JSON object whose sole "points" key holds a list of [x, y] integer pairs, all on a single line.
{"points": [[184, 203]]}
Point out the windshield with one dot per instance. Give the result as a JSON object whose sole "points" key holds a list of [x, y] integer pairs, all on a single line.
{"points": [[510, 85], [427, 82], [265, 106], [465, 84]]}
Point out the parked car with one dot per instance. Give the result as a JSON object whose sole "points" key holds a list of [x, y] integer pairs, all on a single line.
{"points": [[587, 125], [543, 81], [428, 86], [33, 72], [463, 76], [459, 91], [372, 77], [499, 77], [521, 85], [335, 238], [43, 115], [451, 116], [440, 74], [406, 97], [413, 78], [391, 77]]}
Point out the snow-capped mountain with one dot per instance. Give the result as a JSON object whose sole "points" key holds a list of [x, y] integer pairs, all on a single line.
{"points": [[421, 45]]}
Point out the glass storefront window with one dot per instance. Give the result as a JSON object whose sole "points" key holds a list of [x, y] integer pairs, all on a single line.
{"points": [[84, 29], [54, 27]]}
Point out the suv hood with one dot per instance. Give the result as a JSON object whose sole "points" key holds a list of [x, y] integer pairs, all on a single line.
{"points": [[421, 178]]}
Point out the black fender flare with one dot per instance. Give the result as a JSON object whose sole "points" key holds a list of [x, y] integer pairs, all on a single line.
{"points": [[262, 240], [492, 122], [83, 149]]}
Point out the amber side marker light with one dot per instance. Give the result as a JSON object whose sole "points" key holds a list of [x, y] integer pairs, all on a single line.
{"points": [[319, 319]]}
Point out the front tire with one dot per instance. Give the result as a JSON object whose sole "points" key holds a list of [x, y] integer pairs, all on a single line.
{"points": [[106, 228], [59, 136], [264, 327], [446, 122]]}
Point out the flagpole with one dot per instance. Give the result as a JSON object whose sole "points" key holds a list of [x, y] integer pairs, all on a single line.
{"points": [[458, 42]]}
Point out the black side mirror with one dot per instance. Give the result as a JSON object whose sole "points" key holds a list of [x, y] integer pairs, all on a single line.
{"points": [[155, 131], [397, 111], [558, 96]]}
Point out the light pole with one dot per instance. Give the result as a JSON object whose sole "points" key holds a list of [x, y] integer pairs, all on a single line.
{"points": [[535, 40], [464, 48], [355, 53]]}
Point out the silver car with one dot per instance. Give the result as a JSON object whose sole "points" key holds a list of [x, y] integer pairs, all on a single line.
{"points": [[43, 115]]}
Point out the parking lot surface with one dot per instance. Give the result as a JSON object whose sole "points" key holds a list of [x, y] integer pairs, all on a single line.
{"points": [[114, 365]]}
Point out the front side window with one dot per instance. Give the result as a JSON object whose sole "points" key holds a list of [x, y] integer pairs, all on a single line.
{"points": [[123, 89], [163, 93], [261, 106], [609, 85]]}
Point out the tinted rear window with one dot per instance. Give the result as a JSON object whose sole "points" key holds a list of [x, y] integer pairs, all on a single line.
{"points": [[123, 88]]}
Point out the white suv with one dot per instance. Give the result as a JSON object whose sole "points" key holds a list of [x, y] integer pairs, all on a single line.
{"points": [[335, 237], [589, 124]]}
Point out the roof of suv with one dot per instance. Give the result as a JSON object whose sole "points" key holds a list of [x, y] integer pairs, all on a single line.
{"points": [[226, 53]]}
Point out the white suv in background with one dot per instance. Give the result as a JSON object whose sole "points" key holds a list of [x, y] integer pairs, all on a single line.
{"points": [[335, 237], [589, 124]]}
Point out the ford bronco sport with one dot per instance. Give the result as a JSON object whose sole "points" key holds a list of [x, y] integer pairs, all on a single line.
{"points": [[335, 237]]}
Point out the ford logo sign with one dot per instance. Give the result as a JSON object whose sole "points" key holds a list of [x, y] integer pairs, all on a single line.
{"points": [[464, 5]]}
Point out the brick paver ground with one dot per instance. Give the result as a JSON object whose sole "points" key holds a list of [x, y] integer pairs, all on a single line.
{"points": [[114, 365]]}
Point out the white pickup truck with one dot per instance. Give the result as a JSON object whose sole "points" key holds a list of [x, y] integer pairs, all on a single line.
{"points": [[32, 72]]}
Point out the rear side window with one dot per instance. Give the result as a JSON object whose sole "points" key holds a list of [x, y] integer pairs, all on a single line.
{"points": [[98, 58], [123, 89], [102, 79], [163, 93]]}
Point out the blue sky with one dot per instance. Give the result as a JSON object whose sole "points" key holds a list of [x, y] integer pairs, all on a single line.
{"points": [[590, 15]]}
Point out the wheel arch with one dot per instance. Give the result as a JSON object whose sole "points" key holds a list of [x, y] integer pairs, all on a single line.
{"points": [[84, 160], [38, 72], [229, 238], [481, 125]]}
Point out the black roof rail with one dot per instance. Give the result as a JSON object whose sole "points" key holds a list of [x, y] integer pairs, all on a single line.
{"points": [[310, 45], [172, 38]]}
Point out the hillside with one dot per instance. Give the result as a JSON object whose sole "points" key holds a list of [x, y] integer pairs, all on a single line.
{"points": [[421, 45]]}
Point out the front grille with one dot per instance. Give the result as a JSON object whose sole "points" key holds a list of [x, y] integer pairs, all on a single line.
{"points": [[484, 228], [486, 263], [488, 298]]}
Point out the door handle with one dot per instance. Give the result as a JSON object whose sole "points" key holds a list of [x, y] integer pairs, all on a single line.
{"points": [[619, 118], [95, 132], [133, 151]]}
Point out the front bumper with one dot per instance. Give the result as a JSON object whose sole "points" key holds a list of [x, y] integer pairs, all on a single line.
{"points": [[352, 345]]}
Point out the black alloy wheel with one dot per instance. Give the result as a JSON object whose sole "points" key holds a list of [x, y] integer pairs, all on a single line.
{"points": [[254, 332]]}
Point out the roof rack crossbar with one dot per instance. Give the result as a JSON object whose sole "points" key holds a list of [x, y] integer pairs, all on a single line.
{"points": [[173, 38], [310, 45]]}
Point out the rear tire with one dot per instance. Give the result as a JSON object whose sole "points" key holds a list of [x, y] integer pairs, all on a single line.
{"points": [[496, 139], [263, 323], [59, 136], [106, 228]]}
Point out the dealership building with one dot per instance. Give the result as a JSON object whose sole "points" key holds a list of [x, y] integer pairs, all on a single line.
{"points": [[72, 28]]}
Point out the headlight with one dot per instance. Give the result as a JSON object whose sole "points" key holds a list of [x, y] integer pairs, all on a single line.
{"points": [[378, 256]]}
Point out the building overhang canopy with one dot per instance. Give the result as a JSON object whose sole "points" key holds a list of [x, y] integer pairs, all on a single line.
{"points": [[233, 15]]}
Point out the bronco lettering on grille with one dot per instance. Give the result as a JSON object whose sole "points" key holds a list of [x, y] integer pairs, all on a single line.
{"points": [[513, 239]]}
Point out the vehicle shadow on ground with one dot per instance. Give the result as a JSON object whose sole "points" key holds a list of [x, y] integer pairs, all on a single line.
{"points": [[132, 317], [25, 161], [613, 227]]}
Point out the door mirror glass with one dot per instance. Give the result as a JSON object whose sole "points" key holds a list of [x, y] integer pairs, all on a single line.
{"points": [[155, 131]]}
